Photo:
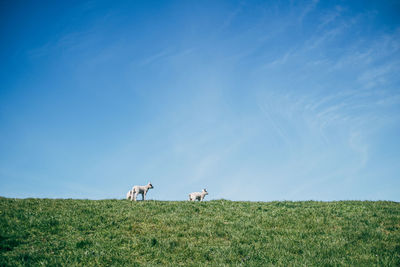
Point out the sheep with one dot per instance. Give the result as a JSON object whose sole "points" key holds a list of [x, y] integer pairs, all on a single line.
{"points": [[198, 195], [140, 189]]}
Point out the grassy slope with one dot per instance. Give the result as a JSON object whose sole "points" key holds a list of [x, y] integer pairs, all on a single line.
{"points": [[119, 232]]}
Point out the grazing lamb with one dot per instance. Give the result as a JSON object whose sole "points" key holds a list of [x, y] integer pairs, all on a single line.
{"points": [[129, 195], [198, 195], [140, 189]]}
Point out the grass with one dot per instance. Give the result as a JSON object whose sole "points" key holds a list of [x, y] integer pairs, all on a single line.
{"points": [[216, 233]]}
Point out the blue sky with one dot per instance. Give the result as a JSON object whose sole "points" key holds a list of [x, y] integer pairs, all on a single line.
{"points": [[253, 100]]}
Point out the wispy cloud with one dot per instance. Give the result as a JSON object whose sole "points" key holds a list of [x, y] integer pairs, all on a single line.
{"points": [[167, 54], [376, 76], [281, 60], [155, 57], [308, 9], [330, 17], [231, 17]]}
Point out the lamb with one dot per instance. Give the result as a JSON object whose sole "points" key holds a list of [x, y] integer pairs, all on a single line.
{"points": [[198, 195], [140, 189]]}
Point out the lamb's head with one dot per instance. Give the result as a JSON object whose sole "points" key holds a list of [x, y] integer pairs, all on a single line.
{"points": [[205, 192], [150, 185]]}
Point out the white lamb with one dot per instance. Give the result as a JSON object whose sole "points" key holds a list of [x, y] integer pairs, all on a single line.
{"points": [[198, 195], [140, 189]]}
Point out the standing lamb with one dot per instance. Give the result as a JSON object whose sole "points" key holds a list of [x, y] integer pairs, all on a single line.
{"points": [[140, 189], [198, 195]]}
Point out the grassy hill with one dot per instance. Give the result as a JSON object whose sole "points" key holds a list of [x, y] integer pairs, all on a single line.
{"points": [[122, 233]]}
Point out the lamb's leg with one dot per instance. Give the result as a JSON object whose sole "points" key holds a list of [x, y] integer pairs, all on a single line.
{"points": [[144, 196], [134, 196]]}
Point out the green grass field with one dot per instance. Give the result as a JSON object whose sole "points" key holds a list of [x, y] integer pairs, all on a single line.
{"points": [[121, 233]]}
